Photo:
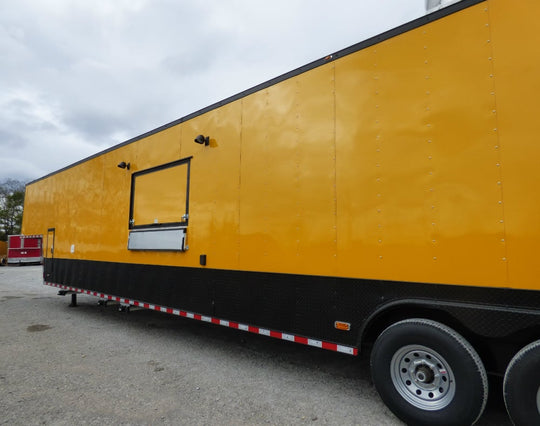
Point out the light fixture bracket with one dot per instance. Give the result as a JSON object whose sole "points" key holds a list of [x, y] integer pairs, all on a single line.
{"points": [[203, 140]]}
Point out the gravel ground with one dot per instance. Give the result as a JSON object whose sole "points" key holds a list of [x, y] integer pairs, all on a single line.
{"points": [[95, 365]]}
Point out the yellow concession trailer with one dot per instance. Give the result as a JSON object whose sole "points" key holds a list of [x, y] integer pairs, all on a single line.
{"points": [[383, 197]]}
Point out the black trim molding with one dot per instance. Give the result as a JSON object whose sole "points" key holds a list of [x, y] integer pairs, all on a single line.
{"points": [[308, 305]]}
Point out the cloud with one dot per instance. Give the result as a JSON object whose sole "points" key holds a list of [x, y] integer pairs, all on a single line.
{"points": [[78, 77]]}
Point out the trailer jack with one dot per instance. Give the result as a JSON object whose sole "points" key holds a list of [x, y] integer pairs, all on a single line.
{"points": [[73, 303]]}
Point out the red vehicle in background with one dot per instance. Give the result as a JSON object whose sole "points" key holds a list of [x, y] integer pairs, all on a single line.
{"points": [[24, 249]]}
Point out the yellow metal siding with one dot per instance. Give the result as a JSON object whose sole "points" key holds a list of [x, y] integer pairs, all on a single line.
{"points": [[418, 171], [515, 41], [287, 193], [413, 160], [215, 186]]}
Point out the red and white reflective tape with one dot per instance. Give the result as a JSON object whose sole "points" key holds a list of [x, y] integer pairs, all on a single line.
{"points": [[225, 323]]}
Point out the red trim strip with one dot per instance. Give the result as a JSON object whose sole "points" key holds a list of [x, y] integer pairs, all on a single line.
{"points": [[252, 329]]}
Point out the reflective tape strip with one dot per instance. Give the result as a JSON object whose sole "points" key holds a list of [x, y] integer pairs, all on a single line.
{"points": [[225, 323]]}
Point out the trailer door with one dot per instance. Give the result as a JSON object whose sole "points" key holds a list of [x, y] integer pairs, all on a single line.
{"points": [[49, 254]]}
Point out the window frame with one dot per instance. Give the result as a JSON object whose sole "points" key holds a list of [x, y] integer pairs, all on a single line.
{"points": [[184, 219]]}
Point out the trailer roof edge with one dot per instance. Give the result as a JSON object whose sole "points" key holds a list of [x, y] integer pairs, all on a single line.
{"points": [[409, 26]]}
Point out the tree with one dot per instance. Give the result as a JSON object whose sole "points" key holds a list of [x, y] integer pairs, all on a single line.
{"points": [[11, 207]]}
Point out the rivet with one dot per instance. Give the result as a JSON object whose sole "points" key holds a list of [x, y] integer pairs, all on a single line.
{"points": [[504, 259], [434, 258], [380, 257], [502, 240], [501, 221]]}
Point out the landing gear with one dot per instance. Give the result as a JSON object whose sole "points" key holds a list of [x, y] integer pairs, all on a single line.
{"points": [[73, 303], [428, 374]]}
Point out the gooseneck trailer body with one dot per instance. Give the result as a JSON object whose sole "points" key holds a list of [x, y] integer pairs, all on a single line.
{"points": [[385, 197]]}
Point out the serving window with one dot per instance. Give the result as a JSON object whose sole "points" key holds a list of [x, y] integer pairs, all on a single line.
{"points": [[159, 201]]}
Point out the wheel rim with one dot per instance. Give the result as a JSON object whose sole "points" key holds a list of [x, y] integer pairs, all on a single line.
{"points": [[423, 377]]}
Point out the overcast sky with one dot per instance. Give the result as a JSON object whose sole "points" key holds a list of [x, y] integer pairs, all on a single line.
{"points": [[77, 76]]}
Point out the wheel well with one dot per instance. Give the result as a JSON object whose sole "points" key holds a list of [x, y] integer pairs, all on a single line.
{"points": [[380, 321], [495, 352]]}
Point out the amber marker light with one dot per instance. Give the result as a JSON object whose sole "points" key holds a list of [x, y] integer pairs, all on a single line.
{"points": [[344, 326]]}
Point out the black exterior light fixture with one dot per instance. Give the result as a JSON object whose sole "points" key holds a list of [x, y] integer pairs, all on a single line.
{"points": [[124, 165], [203, 140]]}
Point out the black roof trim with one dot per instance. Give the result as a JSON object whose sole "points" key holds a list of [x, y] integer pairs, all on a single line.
{"points": [[423, 20]]}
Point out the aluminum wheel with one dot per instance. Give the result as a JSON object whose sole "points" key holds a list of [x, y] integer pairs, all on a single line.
{"points": [[422, 377], [428, 374]]}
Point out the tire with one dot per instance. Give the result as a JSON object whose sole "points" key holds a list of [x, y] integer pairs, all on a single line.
{"points": [[428, 374], [521, 386]]}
